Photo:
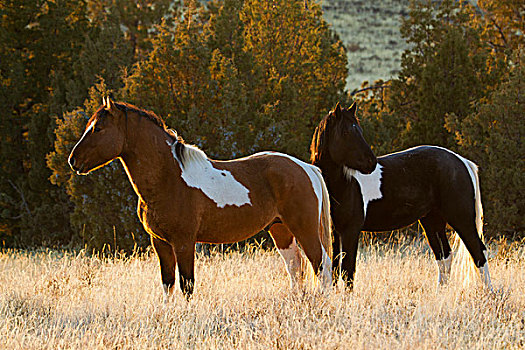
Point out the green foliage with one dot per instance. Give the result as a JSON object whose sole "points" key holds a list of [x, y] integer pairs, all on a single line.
{"points": [[52, 52], [38, 41], [303, 65], [443, 72], [502, 24], [138, 19], [493, 135], [380, 128], [241, 76], [448, 93]]}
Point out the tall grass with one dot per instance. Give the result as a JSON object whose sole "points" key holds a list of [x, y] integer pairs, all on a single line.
{"points": [[55, 300]]}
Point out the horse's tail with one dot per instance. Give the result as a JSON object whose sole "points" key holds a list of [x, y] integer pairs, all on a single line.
{"points": [[463, 267], [326, 220], [325, 229]]}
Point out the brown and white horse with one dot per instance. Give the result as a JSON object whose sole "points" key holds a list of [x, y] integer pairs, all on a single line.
{"points": [[185, 197]]}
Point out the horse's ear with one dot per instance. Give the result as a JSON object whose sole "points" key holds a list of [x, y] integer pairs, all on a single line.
{"points": [[111, 103], [353, 109], [337, 110]]}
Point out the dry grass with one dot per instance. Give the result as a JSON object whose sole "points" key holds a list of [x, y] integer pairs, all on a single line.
{"points": [[60, 300]]}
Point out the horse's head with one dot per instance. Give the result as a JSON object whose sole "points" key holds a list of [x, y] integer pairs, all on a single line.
{"points": [[340, 137], [103, 139]]}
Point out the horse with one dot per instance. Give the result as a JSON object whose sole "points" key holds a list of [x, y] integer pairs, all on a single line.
{"points": [[427, 183], [185, 197]]}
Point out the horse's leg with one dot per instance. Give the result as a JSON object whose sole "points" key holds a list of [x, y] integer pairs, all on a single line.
{"points": [[435, 225], [350, 242], [167, 261], [185, 252], [466, 229], [287, 247], [308, 236]]}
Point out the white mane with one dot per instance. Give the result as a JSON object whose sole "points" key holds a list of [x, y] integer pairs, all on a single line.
{"points": [[193, 156], [198, 172]]}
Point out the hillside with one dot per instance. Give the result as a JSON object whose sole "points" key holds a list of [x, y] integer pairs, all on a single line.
{"points": [[369, 30]]}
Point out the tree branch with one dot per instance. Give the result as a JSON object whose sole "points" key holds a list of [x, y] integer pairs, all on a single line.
{"points": [[24, 202], [369, 88]]}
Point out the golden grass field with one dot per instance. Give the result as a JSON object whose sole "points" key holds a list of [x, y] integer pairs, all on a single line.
{"points": [[61, 300]]}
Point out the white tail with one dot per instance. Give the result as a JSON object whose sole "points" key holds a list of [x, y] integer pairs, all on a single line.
{"points": [[325, 231], [325, 236], [463, 268]]}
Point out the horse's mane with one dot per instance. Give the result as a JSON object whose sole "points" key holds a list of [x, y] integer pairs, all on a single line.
{"points": [[127, 107], [183, 152], [318, 141], [186, 154]]}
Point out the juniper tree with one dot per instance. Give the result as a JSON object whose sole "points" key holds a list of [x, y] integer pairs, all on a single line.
{"points": [[494, 136]]}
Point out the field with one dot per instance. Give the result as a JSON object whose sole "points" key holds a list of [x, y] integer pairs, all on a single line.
{"points": [[60, 300]]}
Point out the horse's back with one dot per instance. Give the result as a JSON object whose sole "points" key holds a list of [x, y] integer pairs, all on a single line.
{"points": [[286, 173], [416, 181], [427, 163], [275, 176]]}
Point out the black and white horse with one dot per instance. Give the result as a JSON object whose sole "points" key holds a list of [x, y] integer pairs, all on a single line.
{"points": [[427, 183]]}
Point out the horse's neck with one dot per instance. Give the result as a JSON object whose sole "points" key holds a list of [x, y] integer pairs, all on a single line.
{"points": [[332, 173], [148, 163]]}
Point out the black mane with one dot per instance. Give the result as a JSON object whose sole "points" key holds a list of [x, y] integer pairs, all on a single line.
{"points": [[126, 107], [178, 141], [319, 140], [151, 116]]}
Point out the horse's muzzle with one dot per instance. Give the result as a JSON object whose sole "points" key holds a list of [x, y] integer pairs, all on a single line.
{"points": [[74, 165], [72, 162], [371, 164]]}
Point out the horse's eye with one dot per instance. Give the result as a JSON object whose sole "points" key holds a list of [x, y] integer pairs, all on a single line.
{"points": [[96, 128]]}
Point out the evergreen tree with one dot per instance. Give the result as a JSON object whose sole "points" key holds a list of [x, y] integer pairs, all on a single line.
{"points": [[175, 80], [304, 68], [137, 18], [51, 52], [101, 208], [37, 40], [502, 25], [493, 135], [442, 73], [240, 76]]}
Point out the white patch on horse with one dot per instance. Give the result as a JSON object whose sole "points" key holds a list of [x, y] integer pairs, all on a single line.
{"points": [[444, 266], [88, 130], [292, 259], [218, 185], [485, 274], [166, 293], [326, 273], [370, 184], [315, 176]]}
